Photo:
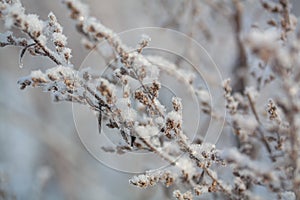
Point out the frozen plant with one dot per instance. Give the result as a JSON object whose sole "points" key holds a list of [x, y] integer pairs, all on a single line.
{"points": [[266, 153]]}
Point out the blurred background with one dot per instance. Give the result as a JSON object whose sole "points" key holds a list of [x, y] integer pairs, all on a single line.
{"points": [[41, 155]]}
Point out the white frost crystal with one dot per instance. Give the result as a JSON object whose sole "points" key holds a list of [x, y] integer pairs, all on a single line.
{"points": [[147, 131], [127, 113], [175, 116]]}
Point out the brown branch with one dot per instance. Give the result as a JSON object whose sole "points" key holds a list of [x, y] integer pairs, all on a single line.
{"points": [[182, 143], [45, 49], [241, 62], [259, 128]]}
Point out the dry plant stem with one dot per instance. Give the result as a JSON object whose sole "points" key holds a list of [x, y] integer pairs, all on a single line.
{"points": [[115, 43], [186, 148], [153, 106], [217, 8], [241, 63], [252, 106], [97, 36], [293, 133], [102, 104], [196, 166], [211, 112], [286, 17], [100, 101], [47, 52], [148, 144], [259, 128], [165, 157]]}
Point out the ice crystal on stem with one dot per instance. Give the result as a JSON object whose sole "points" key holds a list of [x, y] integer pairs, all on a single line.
{"points": [[265, 152]]}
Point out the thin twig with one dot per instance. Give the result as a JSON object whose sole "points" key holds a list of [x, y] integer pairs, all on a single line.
{"points": [[259, 128]]}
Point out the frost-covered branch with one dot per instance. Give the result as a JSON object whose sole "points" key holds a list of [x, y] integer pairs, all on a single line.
{"points": [[266, 150]]}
